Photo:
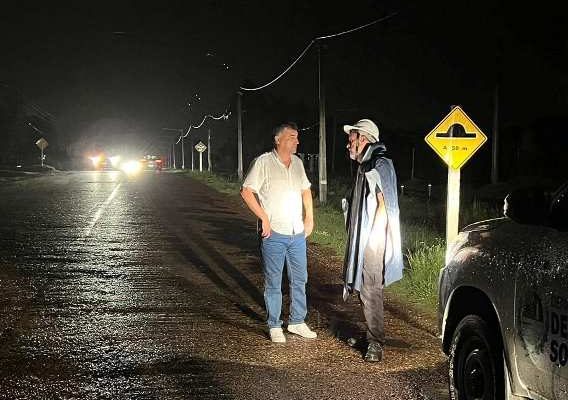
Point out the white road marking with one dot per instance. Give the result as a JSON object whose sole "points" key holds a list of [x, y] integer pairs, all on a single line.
{"points": [[100, 211]]}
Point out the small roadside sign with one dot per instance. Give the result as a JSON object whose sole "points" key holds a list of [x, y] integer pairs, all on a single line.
{"points": [[456, 138], [200, 147], [42, 144]]}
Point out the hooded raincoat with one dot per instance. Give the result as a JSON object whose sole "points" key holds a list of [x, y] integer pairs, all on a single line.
{"points": [[375, 174]]}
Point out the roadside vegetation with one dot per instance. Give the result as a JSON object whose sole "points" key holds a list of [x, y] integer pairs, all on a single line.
{"points": [[422, 228]]}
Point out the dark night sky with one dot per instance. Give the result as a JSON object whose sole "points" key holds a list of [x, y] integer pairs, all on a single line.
{"points": [[129, 69]]}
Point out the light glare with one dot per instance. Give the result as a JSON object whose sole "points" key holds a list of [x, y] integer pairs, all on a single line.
{"points": [[95, 160], [131, 167], [115, 161]]}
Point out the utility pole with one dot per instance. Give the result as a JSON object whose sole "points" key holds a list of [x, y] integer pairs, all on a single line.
{"points": [[412, 164], [495, 138], [209, 168], [322, 144], [174, 147], [191, 145], [183, 154], [240, 135], [334, 136], [498, 77], [334, 139]]}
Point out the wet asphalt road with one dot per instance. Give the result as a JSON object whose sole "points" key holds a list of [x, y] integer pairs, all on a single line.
{"points": [[151, 288]]}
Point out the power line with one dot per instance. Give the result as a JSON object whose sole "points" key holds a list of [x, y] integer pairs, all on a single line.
{"points": [[225, 116], [311, 44], [30, 107], [39, 110], [358, 28], [283, 73]]}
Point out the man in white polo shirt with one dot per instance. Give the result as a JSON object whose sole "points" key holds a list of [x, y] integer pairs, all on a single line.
{"points": [[279, 180]]}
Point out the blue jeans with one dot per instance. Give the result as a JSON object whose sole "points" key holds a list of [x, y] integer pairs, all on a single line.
{"points": [[275, 250]]}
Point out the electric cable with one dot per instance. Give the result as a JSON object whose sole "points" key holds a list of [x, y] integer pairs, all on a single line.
{"points": [[310, 45], [224, 116]]}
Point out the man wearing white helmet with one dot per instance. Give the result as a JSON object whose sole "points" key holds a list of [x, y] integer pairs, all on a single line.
{"points": [[373, 256]]}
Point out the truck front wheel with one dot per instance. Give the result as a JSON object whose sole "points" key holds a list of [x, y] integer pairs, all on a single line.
{"points": [[476, 361]]}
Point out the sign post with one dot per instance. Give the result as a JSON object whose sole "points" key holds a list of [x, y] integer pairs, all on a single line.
{"points": [[42, 144], [455, 139], [200, 147], [452, 204]]}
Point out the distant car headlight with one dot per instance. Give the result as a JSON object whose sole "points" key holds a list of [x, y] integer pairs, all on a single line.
{"points": [[115, 161], [131, 167], [96, 160]]}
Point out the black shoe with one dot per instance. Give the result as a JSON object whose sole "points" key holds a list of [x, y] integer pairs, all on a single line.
{"points": [[374, 353]]}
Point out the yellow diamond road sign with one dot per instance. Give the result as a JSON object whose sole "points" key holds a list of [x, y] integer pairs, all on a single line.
{"points": [[456, 138], [200, 147], [42, 143]]}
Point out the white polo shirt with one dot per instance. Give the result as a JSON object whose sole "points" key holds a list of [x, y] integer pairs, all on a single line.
{"points": [[279, 190]]}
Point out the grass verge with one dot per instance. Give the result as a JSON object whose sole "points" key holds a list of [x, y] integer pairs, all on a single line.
{"points": [[423, 242]]}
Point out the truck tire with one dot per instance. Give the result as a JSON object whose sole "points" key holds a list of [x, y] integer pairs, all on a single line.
{"points": [[476, 361]]}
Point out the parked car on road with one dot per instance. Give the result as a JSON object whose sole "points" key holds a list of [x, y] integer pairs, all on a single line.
{"points": [[503, 301], [152, 163]]}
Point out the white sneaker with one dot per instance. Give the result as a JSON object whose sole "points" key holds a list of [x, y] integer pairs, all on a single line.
{"points": [[277, 335], [303, 330]]}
